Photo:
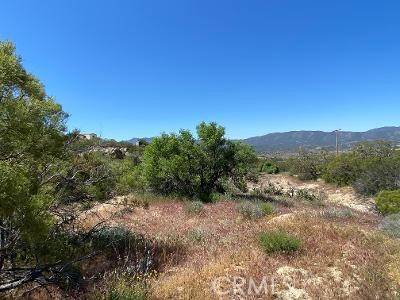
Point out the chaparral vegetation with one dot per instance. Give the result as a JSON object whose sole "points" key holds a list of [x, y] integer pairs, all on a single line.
{"points": [[87, 218]]}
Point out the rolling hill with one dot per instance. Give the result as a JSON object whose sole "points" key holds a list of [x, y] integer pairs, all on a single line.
{"points": [[293, 140]]}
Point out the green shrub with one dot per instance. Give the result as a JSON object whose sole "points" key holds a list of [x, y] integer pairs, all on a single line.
{"points": [[194, 207], [118, 241], [267, 208], [130, 181], [269, 168], [215, 197], [196, 167], [391, 225], [250, 210], [255, 210], [308, 165], [337, 213], [375, 149], [129, 177], [124, 287], [277, 241], [314, 197], [86, 177], [282, 164], [388, 202], [273, 189], [86, 205], [342, 170], [378, 175], [304, 166]]}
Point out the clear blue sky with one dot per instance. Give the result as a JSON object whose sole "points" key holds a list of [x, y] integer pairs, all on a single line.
{"points": [[136, 68]]}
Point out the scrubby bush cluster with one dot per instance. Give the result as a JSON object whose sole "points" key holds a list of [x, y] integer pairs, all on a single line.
{"points": [[196, 167], [194, 207], [267, 208], [342, 170], [379, 175], [273, 189], [32, 143], [372, 168], [388, 202], [337, 213], [255, 210], [267, 166], [369, 167], [310, 196], [308, 165], [277, 241]]}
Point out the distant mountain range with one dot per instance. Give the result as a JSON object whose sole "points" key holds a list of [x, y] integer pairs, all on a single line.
{"points": [[134, 140], [293, 140]]}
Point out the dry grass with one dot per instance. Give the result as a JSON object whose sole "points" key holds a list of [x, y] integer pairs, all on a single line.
{"points": [[336, 261], [342, 255]]}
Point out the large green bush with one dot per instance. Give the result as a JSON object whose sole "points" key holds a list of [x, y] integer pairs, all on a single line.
{"points": [[304, 166], [308, 165], [128, 176], [266, 166], [342, 170], [378, 175], [32, 141], [196, 167], [388, 202], [374, 149], [86, 177]]}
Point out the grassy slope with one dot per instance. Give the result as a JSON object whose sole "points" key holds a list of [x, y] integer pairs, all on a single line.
{"points": [[341, 256]]}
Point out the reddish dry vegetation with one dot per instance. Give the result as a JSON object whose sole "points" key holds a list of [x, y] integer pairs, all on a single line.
{"points": [[218, 255]]}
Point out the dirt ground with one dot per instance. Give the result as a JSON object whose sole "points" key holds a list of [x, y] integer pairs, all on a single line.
{"points": [[342, 256], [337, 195]]}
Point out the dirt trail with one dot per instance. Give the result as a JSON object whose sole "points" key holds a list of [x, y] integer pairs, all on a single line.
{"points": [[345, 196]]}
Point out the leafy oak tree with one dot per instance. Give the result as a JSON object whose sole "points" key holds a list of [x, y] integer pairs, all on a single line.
{"points": [[196, 167]]}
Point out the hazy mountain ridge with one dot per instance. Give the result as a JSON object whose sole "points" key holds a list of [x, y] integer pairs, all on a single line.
{"points": [[136, 139], [292, 140], [308, 139]]}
